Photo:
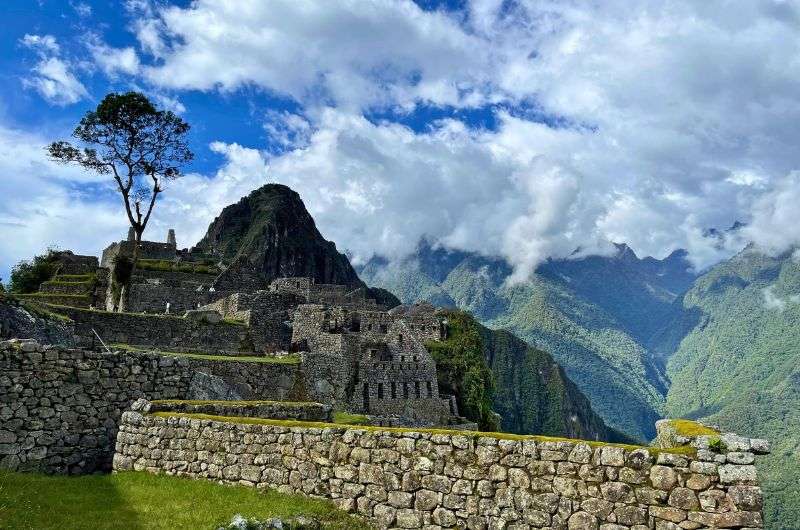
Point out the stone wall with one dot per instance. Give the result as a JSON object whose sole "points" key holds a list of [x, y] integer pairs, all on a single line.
{"points": [[155, 330], [59, 408], [406, 479]]}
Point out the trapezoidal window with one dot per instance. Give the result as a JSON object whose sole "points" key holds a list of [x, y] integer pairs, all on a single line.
{"points": [[380, 390]]}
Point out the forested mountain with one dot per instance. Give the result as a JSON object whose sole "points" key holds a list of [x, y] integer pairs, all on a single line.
{"points": [[645, 338], [597, 316], [740, 366]]}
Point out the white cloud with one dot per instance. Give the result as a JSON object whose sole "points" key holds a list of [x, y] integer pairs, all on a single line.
{"points": [[771, 301], [665, 120], [114, 60], [47, 205], [82, 9], [775, 214], [52, 78], [351, 52]]}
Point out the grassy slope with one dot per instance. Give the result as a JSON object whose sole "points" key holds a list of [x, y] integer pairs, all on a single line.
{"points": [[740, 367], [141, 501]]}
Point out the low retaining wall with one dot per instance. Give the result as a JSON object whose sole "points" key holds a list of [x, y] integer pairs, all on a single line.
{"points": [[155, 330], [59, 408], [409, 479]]}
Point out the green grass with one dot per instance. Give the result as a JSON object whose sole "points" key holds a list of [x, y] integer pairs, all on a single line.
{"points": [[74, 277], [141, 501], [36, 308], [475, 434], [172, 266], [286, 359], [692, 428], [233, 403], [346, 418], [51, 295], [58, 281]]}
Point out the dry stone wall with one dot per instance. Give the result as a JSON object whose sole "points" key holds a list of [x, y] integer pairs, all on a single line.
{"points": [[59, 408], [155, 330], [407, 479]]}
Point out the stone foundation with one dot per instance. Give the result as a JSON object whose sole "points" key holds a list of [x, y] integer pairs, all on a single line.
{"points": [[428, 479]]}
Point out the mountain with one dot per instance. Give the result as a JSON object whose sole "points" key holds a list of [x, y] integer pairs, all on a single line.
{"points": [[740, 366], [269, 234], [601, 317], [494, 371]]}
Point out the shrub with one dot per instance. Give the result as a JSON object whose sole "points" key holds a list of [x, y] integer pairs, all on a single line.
{"points": [[27, 276]]}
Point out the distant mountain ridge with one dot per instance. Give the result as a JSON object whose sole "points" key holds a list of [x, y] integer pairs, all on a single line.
{"points": [[599, 316]]}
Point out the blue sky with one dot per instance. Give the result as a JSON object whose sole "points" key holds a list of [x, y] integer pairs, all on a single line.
{"points": [[517, 128]]}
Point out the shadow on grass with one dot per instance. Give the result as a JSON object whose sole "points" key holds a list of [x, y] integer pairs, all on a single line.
{"points": [[35, 501]]}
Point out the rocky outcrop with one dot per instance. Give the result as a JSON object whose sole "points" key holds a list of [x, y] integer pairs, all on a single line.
{"points": [[269, 234]]}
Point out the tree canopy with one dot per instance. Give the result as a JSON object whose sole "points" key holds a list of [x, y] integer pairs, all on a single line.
{"points": [[141, 147]]}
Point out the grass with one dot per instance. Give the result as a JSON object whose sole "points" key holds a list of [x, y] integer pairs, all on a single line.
{"points": [[37, 309], [686, 450], [59, 281], [233, 403], [74, 277], [286, 359], [142, 501], [346, 418], [172, 266], [51, 295], [692, 428]]}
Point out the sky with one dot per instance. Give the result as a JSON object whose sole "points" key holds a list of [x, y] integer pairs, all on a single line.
{"points": [[514, 128]]}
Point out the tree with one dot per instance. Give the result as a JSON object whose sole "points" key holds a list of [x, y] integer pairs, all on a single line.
{"points": [[139, 146], [27, 276]]}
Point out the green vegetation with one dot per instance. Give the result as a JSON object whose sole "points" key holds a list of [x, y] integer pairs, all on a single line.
{"points": [[233, 403], [27, 276], [691, 428], [462, 370], [35, 308], [285, 359], [347, 418], [372, 428], [141, 501], [740, 367], [175, 266], [584, 324]]}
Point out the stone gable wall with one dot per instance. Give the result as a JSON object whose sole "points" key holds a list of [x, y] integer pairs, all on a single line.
{"points": [[406, 479]]}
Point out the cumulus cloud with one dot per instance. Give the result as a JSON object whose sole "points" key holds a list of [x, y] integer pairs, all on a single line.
{"points": [[353, 53], [47, 205], [775, 216], [114, 61], [615, 121], [53, 77]]}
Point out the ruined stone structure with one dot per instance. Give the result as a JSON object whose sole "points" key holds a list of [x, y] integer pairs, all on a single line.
{"points": [[402, 478]]}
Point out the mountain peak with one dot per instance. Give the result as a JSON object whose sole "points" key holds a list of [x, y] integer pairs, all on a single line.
{"points": [[269, 234]]}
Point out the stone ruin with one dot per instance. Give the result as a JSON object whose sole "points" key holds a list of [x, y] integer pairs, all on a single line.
{"points": [[286, 354], [357, 355]]}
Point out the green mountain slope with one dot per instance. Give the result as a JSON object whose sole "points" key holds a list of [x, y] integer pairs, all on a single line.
{"points": [[494, 370], [597, 316], [740, 366]]}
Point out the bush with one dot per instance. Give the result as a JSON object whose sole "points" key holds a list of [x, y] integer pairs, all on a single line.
{"points": [[27, 276]]}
